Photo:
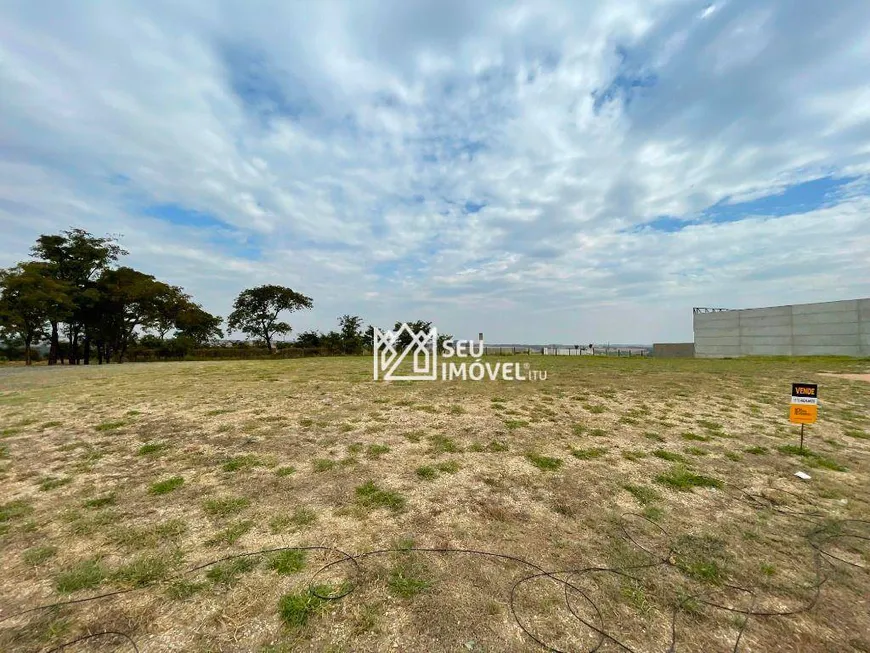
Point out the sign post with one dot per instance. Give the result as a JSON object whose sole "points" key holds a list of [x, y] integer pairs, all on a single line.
{"points": [[804, 407]]}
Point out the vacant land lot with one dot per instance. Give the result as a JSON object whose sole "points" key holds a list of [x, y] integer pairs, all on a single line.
{"points": [[627, 503]]}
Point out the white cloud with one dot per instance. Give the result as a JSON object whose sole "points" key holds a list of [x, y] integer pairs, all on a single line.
{"points": [[471, 163]]}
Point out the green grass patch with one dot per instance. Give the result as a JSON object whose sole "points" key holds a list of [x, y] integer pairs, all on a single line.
{"points": [[166, 485], [680, 478], [228, 573], [688, 435], [36, 555], [513, 424], [448, 467], [670, 456], [144, 570], [84, 575], [597, 433], [246, 461], [644, 494], [595, 409], [151, 448], [297, 608], [588, 454], [375, 451], [52, 483], [442, 444], [179, 590], [225, 506], [231, 534], [413, 436], [370, 495], [702, 557], [813, 459], [756, 450], [857, 433], [407, 579], [287, 562], [696, 451], [109, 426], [101, 502], [300, 518], [322, 464], [286, 470], [545, 463], [426, 472]]}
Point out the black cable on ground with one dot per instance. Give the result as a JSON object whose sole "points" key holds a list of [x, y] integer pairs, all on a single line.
{"points": [[817, 539]]}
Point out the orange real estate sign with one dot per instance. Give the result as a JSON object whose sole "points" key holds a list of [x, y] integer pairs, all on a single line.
{"points": [[798, 414], [804, 408]]}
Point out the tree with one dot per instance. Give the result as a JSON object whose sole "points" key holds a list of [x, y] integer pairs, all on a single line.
{"points": [[256, 310], [75, 257], [169, 307], [198, 325], [127, 299], [368, 338], [29, 298], [352, 337], [309, 339], [332, 342]]}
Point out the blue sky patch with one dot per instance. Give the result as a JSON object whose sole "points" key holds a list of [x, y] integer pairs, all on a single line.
{"points": [[219, 232], [800, 198], [264, 90]]}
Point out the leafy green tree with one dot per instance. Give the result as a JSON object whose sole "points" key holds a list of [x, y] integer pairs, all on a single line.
{"points": [[368, 338], [256, 310], [351, 334], [29, 299], [332, 342], [128, 299], [309, 339], [77, 258], [170, 306], [198, 325]]}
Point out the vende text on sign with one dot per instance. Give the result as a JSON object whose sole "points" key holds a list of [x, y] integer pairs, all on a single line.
{"points": [[804, 408], [804, 391]]}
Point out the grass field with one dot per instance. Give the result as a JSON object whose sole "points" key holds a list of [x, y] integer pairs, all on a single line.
{"points": [[659, 495]]}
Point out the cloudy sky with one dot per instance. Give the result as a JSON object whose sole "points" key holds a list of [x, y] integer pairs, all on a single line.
{"points": [[549, 171]]}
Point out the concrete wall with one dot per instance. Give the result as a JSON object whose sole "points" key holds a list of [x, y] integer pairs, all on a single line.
{"points": [[673, 349], [826, 329]]}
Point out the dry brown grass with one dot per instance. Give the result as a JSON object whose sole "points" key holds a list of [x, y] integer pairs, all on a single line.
{"points": [[281, 454]]}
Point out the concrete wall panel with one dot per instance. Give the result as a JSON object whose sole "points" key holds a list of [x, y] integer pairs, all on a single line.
{"points": [[830, 317], [833, 329], [848, 305], [673, 349], [840, 328]]}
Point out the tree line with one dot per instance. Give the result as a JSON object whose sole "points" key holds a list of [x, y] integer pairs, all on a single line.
{"points": [[75, 296]]}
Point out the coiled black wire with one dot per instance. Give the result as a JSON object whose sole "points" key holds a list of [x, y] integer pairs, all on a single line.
{"points": [[818, 538]]}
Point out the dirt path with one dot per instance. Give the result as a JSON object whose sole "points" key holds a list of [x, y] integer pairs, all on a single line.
{"points": [[852, 377]]}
